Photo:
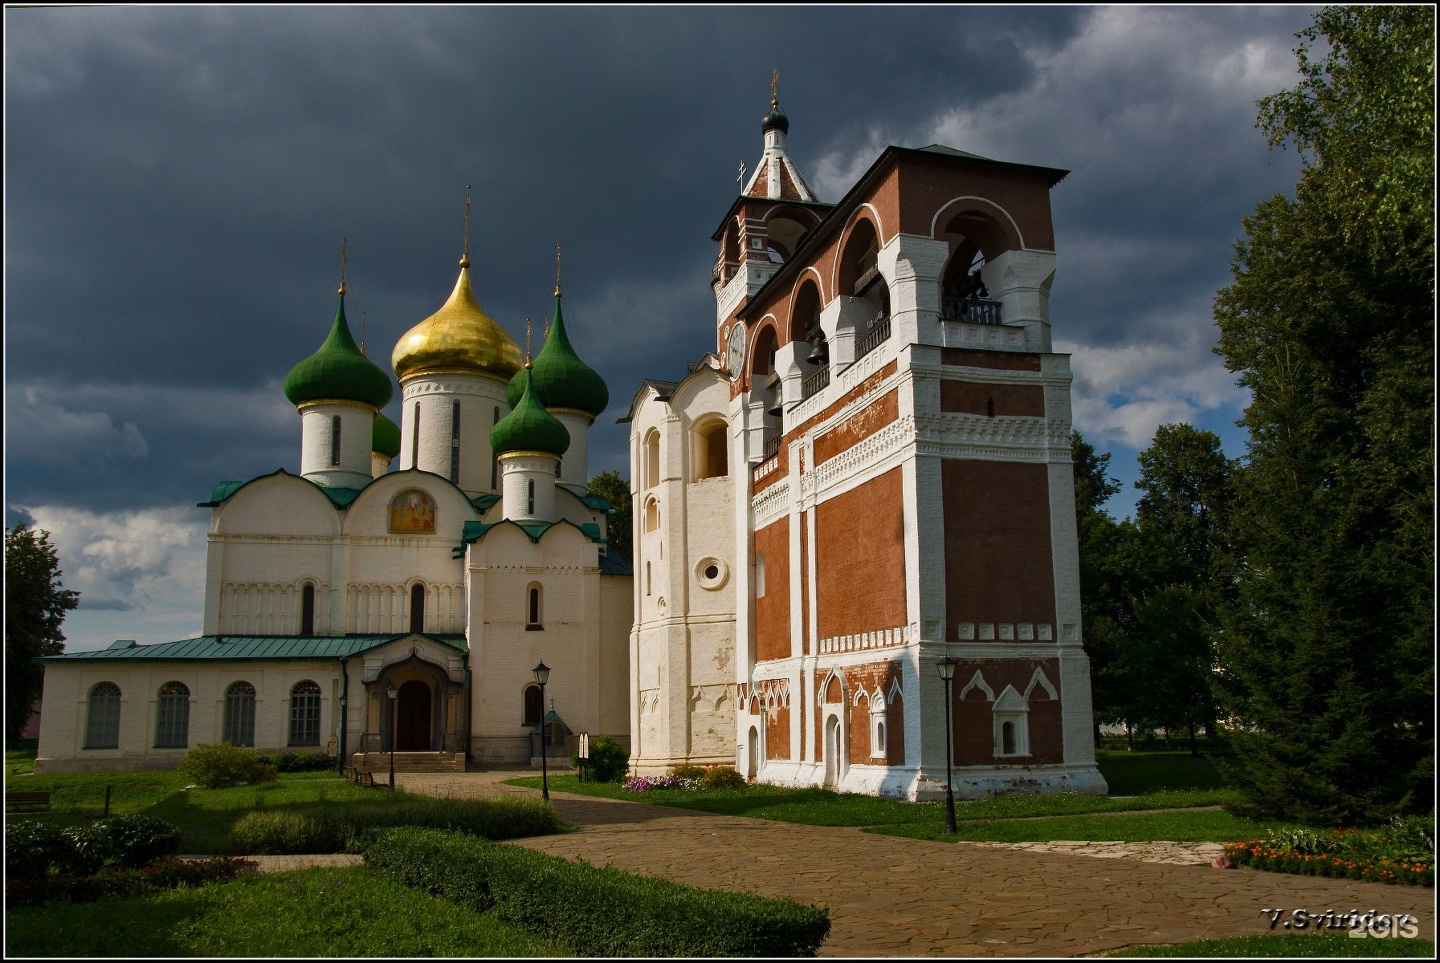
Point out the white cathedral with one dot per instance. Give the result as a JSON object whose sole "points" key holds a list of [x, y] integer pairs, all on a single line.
{"points": [[858, 505]]}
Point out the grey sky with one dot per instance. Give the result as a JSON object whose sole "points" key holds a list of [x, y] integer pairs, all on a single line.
{"points": [[178, 181]]}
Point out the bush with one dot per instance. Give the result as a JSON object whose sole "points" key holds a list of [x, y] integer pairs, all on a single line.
{"points": [[688, 772], [90, 848], [32, 849], [219, 764], [284, 832], [593, 910], [609, 760], [139, 840], [722, 777], [300, 761], [120, 881]]}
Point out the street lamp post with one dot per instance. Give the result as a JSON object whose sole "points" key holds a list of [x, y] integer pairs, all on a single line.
{"points": [[542, 675], [392, 692], [947, 673]]}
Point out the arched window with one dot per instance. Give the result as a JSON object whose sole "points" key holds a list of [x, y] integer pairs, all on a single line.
{"points": [[652, 515], [307, 610], [652, 459], [417, 608], [102, 728], [531, 709], [455, 443], [172, 717], [415, 438], [709, 452], [305, 714], [239, 725], [532, 608], [335, 440], [1007, 739], [1011, 714]]}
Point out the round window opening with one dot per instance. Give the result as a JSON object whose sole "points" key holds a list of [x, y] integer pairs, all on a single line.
{"points": [[711, 573]]}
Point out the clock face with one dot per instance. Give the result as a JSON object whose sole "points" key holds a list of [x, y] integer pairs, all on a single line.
{"points": [[735, 352]]}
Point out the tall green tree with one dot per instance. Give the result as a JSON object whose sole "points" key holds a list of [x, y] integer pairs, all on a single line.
{"points": [[1329, 323], [35, 607], [1184, 503], [616, 490]]}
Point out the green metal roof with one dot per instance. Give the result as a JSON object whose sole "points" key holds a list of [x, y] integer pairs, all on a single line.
{"points": [[385, 436], [529, 427], [338, 369], [340, 497], [474, 531], [560, 378], [238, 648]]}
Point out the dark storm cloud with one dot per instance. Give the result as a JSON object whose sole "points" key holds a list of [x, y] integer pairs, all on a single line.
{"points": [[178, 181]]}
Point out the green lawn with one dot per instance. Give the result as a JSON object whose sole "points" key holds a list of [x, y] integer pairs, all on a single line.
{"points": [[311, 913], [1140, 782]]}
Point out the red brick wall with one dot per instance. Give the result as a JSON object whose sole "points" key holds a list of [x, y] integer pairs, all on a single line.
{"points": [[995, 360], [777, 733], [772, 610], [997, 543], [974, 740], [860, 546], [982, 399], [858, 427]]}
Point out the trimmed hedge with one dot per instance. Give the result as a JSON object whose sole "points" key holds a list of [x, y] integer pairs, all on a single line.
{"points": [[596, 911], [278, 832], [168, 873]]}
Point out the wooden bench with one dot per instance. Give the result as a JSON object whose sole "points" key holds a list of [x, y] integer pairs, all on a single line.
{"points": [[38, 798], [366, 778]]}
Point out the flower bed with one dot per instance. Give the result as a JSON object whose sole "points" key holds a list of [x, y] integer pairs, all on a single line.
{"points": [[1402, 852], [644, 783]]}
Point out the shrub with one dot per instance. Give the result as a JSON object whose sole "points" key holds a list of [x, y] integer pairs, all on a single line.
{"points": [[722, 777], [219, 764], [139, 840], [688, 772], [119, 881], [32, 849], [90, 845], [282, 832], [596, 911], [300, 761], [609, 760]]}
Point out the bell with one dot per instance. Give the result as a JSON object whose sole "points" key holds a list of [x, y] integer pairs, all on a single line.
{"points": [[776, 409], [817, 352]]}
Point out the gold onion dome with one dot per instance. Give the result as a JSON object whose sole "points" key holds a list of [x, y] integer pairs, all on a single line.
{"points": [[457, 337], [338, 371]]}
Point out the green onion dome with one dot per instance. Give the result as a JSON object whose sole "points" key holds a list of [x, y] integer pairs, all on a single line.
{"points": [[339, 371], [529, 427], [458, 337], [385, 436], [560, 378]]}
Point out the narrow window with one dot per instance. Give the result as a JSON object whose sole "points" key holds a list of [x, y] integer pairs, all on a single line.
{"points": [[760, 575], [415, 438], [455, 443], [531, 707], [305, 714], [239, 727], [532, 608], [335, 440], [172, 717], [1007, 739], [417, 608], [647, 578], [307, 610], [530, 503], [102, 729]]}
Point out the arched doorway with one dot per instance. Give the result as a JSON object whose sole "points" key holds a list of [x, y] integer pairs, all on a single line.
{"points": [[832, 750], [413, 717], [752, 754]]}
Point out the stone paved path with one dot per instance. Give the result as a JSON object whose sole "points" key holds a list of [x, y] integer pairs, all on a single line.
{"points": [[916, 898]]}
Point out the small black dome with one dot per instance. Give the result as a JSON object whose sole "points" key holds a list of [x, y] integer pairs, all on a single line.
{"points": [[775, 121]]}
